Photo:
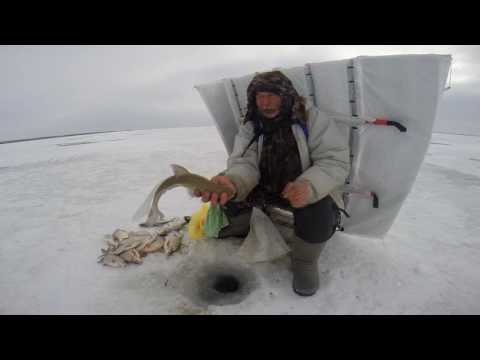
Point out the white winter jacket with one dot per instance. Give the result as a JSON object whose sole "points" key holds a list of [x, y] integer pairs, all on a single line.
{"points": [[324, 157]]}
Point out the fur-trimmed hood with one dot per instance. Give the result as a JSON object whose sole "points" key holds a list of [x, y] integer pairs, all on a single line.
{"points": [[293, 103]]}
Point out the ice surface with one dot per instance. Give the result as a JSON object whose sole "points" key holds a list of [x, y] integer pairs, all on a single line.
{"points": [[58, 202]]}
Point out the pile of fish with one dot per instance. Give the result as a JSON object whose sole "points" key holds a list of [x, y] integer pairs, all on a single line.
{"points": [[163, 235], [126, 247]]}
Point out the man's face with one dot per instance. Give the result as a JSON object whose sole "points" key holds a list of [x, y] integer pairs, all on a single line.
{"points": [[268, 104]]}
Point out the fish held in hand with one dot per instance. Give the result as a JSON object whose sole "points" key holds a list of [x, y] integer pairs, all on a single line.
{"points": [[182, 177]]}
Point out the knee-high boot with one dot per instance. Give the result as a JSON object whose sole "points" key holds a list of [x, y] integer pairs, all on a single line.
{"points": [[305, 266]]}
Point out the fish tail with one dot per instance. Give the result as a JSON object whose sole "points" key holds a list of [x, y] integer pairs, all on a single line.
{"points": [[154, 216], [161, 215], [145, 207]]}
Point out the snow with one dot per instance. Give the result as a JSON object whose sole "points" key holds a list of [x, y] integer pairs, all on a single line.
{"points": [[61, 196]]}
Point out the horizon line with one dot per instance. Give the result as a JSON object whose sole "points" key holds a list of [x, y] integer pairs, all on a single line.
{"points": [[89, 133], [173, 127]]}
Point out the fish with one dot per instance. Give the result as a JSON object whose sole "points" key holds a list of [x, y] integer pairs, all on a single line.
{"points": [[124, 240], [119, 235], [131, 246], [145, 241], [175, 224], [131, 256], [172, 242], [155, 246], [119, 254], [181, 177], [142, 238], [112, 260], [127, 245]]}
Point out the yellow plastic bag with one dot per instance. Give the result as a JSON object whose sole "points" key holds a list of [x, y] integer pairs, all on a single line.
{"points": [[197, 223]]}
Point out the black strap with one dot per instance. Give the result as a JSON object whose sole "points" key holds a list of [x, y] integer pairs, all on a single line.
{"points": [[255, 138], [343, 211]]}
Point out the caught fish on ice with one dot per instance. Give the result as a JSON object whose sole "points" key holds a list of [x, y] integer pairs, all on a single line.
{"points": [[173, 242], [111, 260], [131, 256], [144, 237], [155, 246], [173, 225], [119, 235], [131, 246], [182, 177], [127, 245]]}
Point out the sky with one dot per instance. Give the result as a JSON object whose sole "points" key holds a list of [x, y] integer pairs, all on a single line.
{"points": [[57, 90]]}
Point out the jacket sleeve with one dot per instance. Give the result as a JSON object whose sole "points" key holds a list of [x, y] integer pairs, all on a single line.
{"points": [[329, 155], [243, 171]]}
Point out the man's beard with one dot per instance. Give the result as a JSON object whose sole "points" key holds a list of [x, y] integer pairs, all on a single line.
{"points": [[271, 125], [266, 119], [267, 114]]}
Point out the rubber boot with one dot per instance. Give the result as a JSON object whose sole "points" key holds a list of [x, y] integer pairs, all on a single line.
{"points": [[305, 266]]}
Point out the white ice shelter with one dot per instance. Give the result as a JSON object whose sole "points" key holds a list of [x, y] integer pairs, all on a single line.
{"points": [[399, 92]]}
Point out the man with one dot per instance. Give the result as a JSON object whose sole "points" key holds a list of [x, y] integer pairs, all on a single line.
{"points": [[287, 157]]}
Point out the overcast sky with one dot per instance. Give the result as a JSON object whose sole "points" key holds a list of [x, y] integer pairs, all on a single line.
{"points": [[55, 90]]}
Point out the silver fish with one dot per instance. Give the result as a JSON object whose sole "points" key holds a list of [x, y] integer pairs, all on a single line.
{"points": [[144, 237], [119, 235], [181, 177], [131, 256], [172, 242], [127, 245], [175, 224], [112, 260], [155, 246]]}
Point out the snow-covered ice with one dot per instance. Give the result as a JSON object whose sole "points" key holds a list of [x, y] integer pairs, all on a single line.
{"points": [[61, 196]]}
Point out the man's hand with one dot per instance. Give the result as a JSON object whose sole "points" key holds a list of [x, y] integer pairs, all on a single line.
{"points": [[214, 198], [298, 193]]}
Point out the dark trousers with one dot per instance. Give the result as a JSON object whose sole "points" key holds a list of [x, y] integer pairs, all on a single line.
{"points": [[315, 223]]}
